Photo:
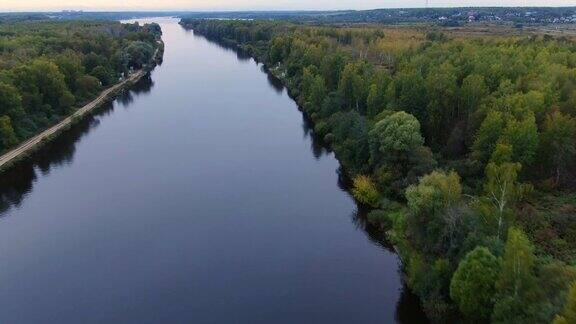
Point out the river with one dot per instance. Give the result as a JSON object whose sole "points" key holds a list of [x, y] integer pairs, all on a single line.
{"points": [[200, 196]]}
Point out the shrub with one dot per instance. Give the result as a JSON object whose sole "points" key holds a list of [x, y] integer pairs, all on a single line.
{"points": [[379, 217], [365, 191]]}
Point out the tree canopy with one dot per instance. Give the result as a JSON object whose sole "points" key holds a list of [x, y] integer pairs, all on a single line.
{"points": [[472, 286], [47, 68]]}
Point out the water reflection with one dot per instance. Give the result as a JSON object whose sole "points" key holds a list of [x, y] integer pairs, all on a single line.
{"points": [[144, 86], [405, 310], [242, 55], [18, 181], [273, 81], [408, 309], [317, 145]]}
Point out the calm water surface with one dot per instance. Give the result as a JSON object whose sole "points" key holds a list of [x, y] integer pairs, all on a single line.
{"points": [[198, 197]]}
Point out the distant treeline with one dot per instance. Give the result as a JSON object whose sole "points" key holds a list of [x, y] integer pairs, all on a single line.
{"points": [[48, 68], [438, 16], [465, 147], [84, 15], [456, 16]]}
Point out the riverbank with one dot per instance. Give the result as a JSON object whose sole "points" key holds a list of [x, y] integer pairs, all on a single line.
{"points": [[383, 122], [25, 149], [11, 157], [148, 198], [397, 242]]}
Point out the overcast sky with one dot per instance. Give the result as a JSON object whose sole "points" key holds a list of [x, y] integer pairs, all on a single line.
{"points": [[43, 5]]}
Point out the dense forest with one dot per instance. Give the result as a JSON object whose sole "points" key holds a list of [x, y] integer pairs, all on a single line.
{"points": [[49, 68], [464, 147]]}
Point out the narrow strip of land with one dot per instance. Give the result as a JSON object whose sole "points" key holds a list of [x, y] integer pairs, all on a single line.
{"points": [[32, 143]]}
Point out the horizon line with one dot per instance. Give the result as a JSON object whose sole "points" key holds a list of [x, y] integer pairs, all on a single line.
{"points": [[167, 10]]}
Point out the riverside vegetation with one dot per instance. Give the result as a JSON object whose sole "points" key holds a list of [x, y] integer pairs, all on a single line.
{"points": [[49, 68], [465, 148]]}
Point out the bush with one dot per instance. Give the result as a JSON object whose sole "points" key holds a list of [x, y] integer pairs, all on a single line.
{"points": [[379, 217], [329, 138], [365, 191]]}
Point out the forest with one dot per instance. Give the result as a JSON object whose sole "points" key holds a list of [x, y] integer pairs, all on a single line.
{"points": [[463, 147], [48, 68]]}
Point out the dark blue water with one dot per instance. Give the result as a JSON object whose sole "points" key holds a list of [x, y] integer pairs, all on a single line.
{"points": [[198, 197]]}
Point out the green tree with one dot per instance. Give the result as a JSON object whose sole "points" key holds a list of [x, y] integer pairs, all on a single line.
{"points": [[503, 153], [70, 64], [352, 86], [365, 191], [488, 135], [442, 91], [153, 29], [350, 131], [395, 135], [140, 53], [279, 49], [472, 92], [559, 143], [472, 286], [523, 137], [307, 81], [10, 101], [67, 100], [434, 192], [7, 136], [502, 191], [374, 102], [87, 86], [331, 67], [568, 315], [376, 99], [409, 92], [427, 202], [516, 288], [102, 74], [555, 279], [42, 81], [397, 153], [92, 60], [317, 92]]}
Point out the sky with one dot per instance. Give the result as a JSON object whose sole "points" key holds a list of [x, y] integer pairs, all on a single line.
{"points": [[204, 5]]}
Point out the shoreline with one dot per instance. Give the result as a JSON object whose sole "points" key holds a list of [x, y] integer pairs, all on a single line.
{"points": [[26, 148], [347, 176]]}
